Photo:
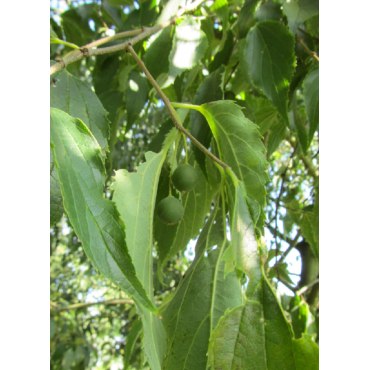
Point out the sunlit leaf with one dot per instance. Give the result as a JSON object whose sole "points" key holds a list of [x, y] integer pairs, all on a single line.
{"points": [[95, 219], [76, 98]]}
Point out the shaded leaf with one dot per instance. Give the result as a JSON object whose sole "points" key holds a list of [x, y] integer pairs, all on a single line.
{"points": [[223, 56], [301, 130], [271, 59], [95, 220], [316, 211], [106, 68], [268, 11], [299, 11], [276, 136], [76, 98], [209, 90], [311, 99], [136, 96], [246, 18], [56, 200], [307, 227], [156, 62], [132, 337]]}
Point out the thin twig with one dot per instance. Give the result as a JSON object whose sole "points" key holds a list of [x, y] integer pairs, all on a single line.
{"points": [[306, 161], [84, 305], [306, 49], [87, 51], [171, 110], [308, 286]]}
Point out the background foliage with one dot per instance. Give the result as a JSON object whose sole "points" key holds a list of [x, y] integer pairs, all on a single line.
{"points": [[256, 53]]}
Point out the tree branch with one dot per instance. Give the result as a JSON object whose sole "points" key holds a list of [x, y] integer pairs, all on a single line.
{"points": [[306, 49], [84, 305], [87, 51], [171, 110]]}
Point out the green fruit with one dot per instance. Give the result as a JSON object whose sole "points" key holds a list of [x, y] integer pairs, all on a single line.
{"points": [[185, 177], [170, 210]]}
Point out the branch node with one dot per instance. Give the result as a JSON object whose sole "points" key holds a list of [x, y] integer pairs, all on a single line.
{"points": [[85, 52], [61, 61]]}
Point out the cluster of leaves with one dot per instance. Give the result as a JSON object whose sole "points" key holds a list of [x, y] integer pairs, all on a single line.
{"points": [[246, 83]]}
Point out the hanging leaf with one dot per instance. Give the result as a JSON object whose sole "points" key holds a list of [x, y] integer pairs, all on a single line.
{"points": [[223, 56], [246, 18], [271, 60], [276, 136], [298, 124], [189, 46], [299, 311], [56, 200], [299, 11], [170, 10], [95, 220], [257, 336], [220, 7], [240, 146], [158, 63], [76, 98], [133, 336], [201, 298], [136, 96], [208, 91], [268, 11], [311, 99], [135, 195]]}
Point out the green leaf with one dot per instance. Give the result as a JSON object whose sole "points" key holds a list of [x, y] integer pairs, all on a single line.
{"points": [[197, 203], [189, 46], [307, 227], [246, 18], [201, 298], [240, 146], [243, 252], [148, 12], [298, 124], [220, 7], [105, 69], [257, 336], [158, 63], [299, 311], [298, 11], [169, 10], [56, 200], [266, 115], [283, 272], [311, 99], [95, 219], [271, 59], [306, 353], [276, 136], [209, 90], [268, 11], [135, 196], [222, 57], [76, 98], [133, 336], [53, 35], [136, 96], [156, 142]]}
